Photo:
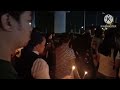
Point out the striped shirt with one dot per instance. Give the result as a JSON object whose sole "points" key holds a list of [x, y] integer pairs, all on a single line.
{"points": [[40, 69], [65, 59]]}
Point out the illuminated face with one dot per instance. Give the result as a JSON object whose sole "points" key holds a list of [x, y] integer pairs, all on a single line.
{"points": [[24, 28], [41, 46]]}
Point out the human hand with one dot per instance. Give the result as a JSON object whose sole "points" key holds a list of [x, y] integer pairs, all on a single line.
{"points": [[68, 77]]}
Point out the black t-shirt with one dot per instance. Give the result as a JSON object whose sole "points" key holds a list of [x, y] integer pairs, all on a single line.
{"points": [[6, 70], [24, 64]]}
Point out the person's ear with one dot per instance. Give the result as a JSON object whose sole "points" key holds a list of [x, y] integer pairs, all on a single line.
{"points": [[5, 21]]}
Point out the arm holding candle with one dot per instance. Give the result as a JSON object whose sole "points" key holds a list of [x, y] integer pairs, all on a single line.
{"points": [[71, 76], [75, 73], [85, 73], [68, 77], [73, 68]]}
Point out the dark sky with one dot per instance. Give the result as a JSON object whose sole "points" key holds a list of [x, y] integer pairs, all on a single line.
{"points": [[45, 19], [92, 17]]}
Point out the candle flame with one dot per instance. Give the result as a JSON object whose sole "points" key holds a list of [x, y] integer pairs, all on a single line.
{"points": [[73, 67], [86, 72]]}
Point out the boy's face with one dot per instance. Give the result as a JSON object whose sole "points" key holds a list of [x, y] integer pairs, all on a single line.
{"points": [[26, 26], [40, 47], [23, 28], [43, 45]]}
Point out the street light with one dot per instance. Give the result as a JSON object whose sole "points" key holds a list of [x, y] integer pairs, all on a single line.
{"points": [[82, 27]]}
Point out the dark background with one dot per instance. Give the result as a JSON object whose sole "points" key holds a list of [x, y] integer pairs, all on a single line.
{"points": [[44, 20]]}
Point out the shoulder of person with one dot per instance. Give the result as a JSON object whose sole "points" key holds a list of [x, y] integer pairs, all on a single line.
{"points": [[105, 57], [40, 69], [40, 60], [41, 64], [102, 55]]}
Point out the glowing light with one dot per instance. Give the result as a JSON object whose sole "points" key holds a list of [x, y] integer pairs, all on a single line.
{"points": [[86, 72], [73, 67], [30, 23]]}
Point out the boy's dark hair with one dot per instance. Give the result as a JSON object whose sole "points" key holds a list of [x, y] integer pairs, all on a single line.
{"points": [[14, 14], [65, 38], [36, 38]]}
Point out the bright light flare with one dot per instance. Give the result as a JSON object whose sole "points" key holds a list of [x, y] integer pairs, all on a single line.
{"points": [[73, 67], [86, 72]]}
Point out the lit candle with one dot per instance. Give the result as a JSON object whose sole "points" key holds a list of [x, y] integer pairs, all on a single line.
{"points": [[73, 68], [78, 74], [85, 73]]}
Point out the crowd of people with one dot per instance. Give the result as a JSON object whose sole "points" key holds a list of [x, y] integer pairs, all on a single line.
{"points": [[26, 53]]}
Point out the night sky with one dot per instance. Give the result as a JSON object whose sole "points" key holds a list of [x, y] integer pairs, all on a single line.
{"points": [[92, 17]]}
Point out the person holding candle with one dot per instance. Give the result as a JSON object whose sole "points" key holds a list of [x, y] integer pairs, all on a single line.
{"points": [[65, 57], [84, 60]]}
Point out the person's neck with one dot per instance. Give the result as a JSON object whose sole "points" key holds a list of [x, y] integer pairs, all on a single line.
{"points": [[5, 52], [36, 52]]}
